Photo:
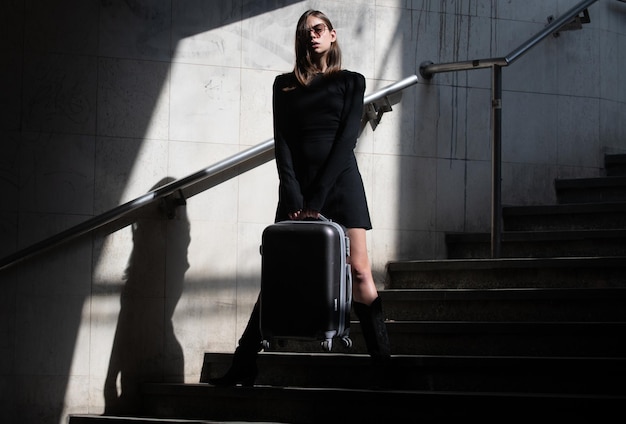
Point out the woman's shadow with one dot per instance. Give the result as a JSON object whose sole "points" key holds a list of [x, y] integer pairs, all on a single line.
{"points": [[145, 348]]}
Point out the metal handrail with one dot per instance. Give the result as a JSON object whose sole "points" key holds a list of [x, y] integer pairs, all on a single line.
{"points": [[219, 172], [428, 69]]}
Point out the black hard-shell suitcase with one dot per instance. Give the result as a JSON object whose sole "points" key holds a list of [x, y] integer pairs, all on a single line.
{"points": [[306, 282]]}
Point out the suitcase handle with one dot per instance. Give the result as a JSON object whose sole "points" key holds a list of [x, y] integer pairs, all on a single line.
{"points": [[323, 218], [320, 217]]}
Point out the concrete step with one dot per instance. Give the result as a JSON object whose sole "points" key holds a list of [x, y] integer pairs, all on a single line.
{"points": [[578, 339], [317, 405], [599, 376], [510, 304], [581, 216], [587, 190], [539, 244], [483, 338], [565, 272], [101, 419], [291, 387]]}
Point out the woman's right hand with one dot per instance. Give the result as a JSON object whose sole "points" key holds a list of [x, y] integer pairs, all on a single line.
{"points": [[303, 214]]}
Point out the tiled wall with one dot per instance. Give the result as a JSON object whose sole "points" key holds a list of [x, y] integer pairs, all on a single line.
{"points": [[103, 100]]}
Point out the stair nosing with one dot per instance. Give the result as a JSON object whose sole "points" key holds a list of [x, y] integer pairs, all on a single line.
{"points": [[240, 391], [506, 263], [592, 182], [420, 358], [411, 294], [508, 327], [563, 208], [539, 235]]}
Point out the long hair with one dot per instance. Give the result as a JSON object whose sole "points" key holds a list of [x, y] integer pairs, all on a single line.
{"points": [[304, 68]]}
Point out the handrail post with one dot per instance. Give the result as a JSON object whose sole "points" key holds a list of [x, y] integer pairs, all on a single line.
{"points": [[496, 161]]}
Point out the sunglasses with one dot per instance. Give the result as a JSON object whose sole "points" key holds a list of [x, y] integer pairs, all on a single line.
{"points": [[317, 29]]}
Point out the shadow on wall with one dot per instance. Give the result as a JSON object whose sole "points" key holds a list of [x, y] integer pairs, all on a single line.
{"points": [[82, 86], [145, 348]]}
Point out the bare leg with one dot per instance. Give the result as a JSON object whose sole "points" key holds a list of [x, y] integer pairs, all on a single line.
{"points": [[363, 286]]}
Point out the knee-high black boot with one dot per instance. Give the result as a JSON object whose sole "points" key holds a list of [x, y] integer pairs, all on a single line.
{"points": [[374, 331], [243, 370], [376, 341]]}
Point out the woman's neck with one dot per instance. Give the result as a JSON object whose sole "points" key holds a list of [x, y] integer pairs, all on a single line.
{"points": [[320, 64]]}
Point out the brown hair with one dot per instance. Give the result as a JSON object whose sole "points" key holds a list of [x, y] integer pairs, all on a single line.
{"points": [[304, 68]]}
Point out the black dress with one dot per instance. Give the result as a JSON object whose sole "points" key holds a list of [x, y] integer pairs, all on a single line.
{"points": [[315, 131]]}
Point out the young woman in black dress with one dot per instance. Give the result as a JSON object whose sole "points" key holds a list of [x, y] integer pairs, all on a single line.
{"points": [[317, 114]]}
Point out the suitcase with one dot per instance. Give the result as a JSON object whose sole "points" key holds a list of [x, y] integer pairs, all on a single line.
{"points": [[306, 283]]}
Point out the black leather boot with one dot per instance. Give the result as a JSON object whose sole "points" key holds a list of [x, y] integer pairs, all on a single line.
{"points": [[376, 341], [243, 370]]}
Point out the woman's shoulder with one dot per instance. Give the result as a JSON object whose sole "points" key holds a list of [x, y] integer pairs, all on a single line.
{"points": [[285, 80], [354, 78], [352, 74], [286, 83]]}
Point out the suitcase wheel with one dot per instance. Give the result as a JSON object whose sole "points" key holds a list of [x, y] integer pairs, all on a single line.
{"points": [[347, 341], [327, 345]]}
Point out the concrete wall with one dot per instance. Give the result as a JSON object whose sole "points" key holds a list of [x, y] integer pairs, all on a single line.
{"points": [[104, 100]]}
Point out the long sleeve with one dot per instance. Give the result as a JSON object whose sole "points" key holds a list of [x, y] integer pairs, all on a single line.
{"points": [[290, 197]]}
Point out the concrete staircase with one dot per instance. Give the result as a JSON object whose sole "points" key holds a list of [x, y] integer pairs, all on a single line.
{"points": [[537, 334]]}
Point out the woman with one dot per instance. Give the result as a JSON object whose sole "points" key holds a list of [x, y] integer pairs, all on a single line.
{"points": [[317, 114]]}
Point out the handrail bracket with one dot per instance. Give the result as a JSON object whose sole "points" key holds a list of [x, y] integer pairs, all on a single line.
{"points": [[575, 24], [374, 111]]}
